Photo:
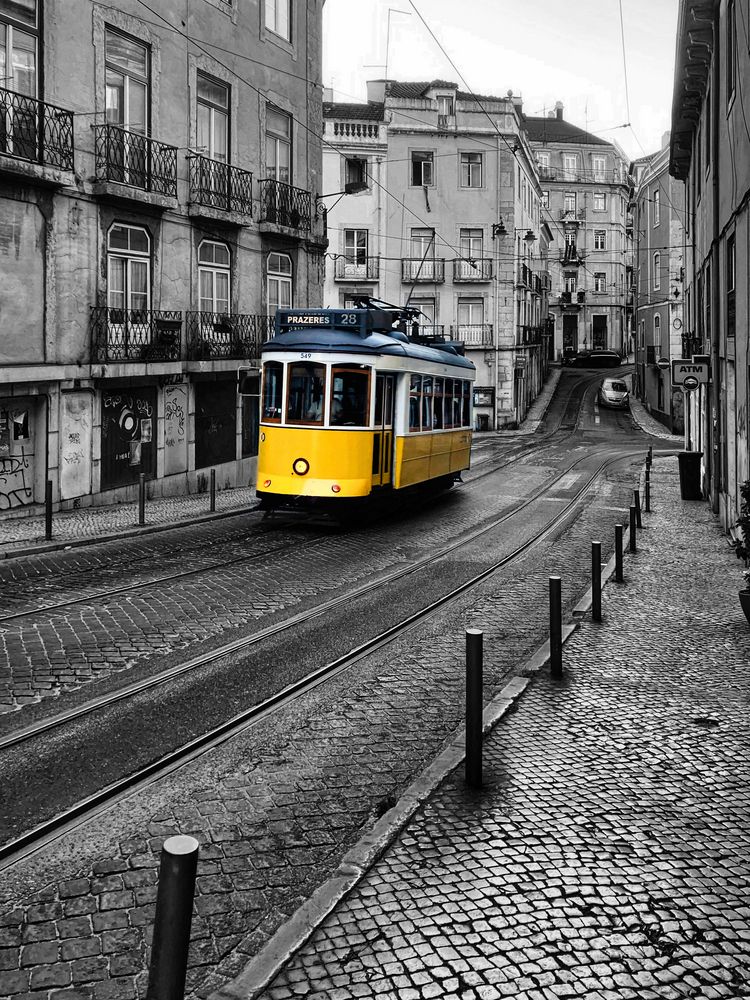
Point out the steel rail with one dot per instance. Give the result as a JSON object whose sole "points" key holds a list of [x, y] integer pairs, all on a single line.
{"points": [[34, 839]]}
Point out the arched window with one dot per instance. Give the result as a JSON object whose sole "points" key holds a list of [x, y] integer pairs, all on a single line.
{"points": [[657, 271], [657, 330], [279, 282], [128, 268], [214, 262]]}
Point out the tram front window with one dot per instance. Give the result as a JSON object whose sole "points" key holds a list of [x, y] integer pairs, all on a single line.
{"points": [[307, 383], [273, 375], [350, 398]]}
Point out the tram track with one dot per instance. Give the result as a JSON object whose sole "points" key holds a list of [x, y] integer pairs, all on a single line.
{"points": [[28, 842]]}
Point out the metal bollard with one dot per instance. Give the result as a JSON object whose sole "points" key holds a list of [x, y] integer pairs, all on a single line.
{"points": [[648, 491], [618, 553], [637, 505], [48, 510], [474, 666], [212, 507], [174, 913], [555, 628], [596, 581], [632, 544], [142, 498]]}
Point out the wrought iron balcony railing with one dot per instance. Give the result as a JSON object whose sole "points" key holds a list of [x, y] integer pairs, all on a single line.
{"points": [[362, 270], [226, 335], [285, 205], [416, 269], [530, 335], [473, 334], [130, 158], [35, 131], [214, 184], [472, 269], [135, 334]]}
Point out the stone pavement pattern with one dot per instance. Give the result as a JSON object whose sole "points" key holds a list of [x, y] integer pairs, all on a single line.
{"points": [[608, 855]]}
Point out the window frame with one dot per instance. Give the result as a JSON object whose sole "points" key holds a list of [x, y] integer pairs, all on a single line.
{"points": [[657, 208], [568, 197], [215, 270], [656, 266], [12, 25], [600, 239], [468, 167], [279, 140], [598, 167], [570, 166], [128, 77], [600, 281], [272, 23], [603, 196], [429, 161], [283, 278], [357, 232], [214, 109], [130, 257]]}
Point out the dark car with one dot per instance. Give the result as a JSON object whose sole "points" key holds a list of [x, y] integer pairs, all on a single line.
{"points": [[597, 359]]}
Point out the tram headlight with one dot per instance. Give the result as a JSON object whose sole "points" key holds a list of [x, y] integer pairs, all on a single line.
{"points": [[335, 488], [301, 466], [266, 484]]}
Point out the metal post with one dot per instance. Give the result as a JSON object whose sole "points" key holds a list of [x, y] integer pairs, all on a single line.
{"points": [[142, 498], [474, 658], [48, 510], [618, 553], [632, 545], [555, 627], [637, 505], [213, 491], [174, 912], [650, 456], [648, 491], [596, 581]]}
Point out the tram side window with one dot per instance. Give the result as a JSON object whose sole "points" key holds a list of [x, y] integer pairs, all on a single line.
{"points": [[307, 383], [449, 404], [415, 393], [437, 404], [427, 403], [466, 408], [273, 377], [350, 397]]}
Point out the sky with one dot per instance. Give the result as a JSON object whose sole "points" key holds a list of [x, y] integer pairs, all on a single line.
{"points": [[544, 50]]}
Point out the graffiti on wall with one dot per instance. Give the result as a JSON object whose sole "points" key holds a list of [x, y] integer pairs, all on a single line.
{"points": [[16, 458], [127, 436], [175, 429], [75, 445]]}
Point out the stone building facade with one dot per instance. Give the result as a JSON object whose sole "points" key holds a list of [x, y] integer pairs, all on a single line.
{"points": [[158, 174]]}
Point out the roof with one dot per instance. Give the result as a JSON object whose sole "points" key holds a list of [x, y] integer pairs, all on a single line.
{"points": [[558, 130], [366, 112], [418, 89]]}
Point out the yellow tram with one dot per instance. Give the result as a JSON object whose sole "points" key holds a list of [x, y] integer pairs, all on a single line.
{"points": [[352, 406]]}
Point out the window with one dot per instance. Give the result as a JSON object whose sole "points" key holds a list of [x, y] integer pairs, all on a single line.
{"points": [[569, 201], [657, 330], [731, 54], [471, 242], [278, 145], [305, 393], [731, 305], [415, 396], [545, 199], [471, 170], [213, 277], [355, 252], [599, 166], [422, 241], [570, 237], [355, 170], [571, 281], [278, 282], [470, 316], [657, 270], [445, 105], [350, 397], [600, 239], [18, 46], [657, 207], [273, 381], [600, 201], [421, 169], [543, 160], [279, 17], [570, 165], [128, 268], [600, 281], [127, 69], [212, 133]]}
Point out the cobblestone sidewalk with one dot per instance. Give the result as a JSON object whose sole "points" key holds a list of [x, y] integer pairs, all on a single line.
{"points": [[608, 854]]}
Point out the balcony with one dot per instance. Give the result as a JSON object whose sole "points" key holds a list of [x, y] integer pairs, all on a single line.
{"points": [[446, 122], [472, 269], [419, 269], [32, 132], [212, 336], [219, 191], [133, 167], [473, 334], [547, 173], [363, 270], [135, 335], [530, 335], [355, 131], [283, 206]]}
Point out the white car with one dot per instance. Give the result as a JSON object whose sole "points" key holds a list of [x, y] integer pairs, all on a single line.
{"points": [[614, 392]]}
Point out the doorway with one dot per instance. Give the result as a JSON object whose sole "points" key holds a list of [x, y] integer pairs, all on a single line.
{"points": [[382, 440]]}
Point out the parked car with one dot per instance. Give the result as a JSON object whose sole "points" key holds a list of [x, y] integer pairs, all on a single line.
{"points": [[614, 392], [596, 359]]}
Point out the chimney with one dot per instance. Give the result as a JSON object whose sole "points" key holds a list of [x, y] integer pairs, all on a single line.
{"points": [[328, 95], [559, 110], [376, 91]]}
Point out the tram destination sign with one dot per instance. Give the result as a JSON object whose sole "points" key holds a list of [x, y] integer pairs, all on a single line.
{"points": [[689, 373]]}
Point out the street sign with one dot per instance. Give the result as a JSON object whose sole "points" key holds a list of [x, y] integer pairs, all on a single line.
{"points": [[689, 383], [663, 363], [683, 368]]}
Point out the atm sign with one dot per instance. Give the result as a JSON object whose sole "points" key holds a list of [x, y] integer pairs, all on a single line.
{"points": [[683, 369]]}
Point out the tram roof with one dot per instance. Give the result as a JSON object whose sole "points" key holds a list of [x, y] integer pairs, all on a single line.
{"points": [[355, 331]]}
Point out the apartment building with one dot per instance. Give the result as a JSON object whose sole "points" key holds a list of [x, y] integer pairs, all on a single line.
{"points": [[158, 172], [657, 210], [585, 194], [450, 222], [710, 155]]}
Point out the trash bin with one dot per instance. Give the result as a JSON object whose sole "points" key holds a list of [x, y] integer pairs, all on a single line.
{"points": [[690, 474]]}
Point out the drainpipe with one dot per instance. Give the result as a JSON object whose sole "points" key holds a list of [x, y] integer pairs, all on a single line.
{"points": [[714, 419]]}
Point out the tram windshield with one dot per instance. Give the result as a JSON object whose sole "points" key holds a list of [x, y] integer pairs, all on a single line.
{"points": [[307, 383], [273, 378], [350, 397]]}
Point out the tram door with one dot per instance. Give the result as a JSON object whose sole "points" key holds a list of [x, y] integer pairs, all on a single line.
{"points": [[382, 443]]}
